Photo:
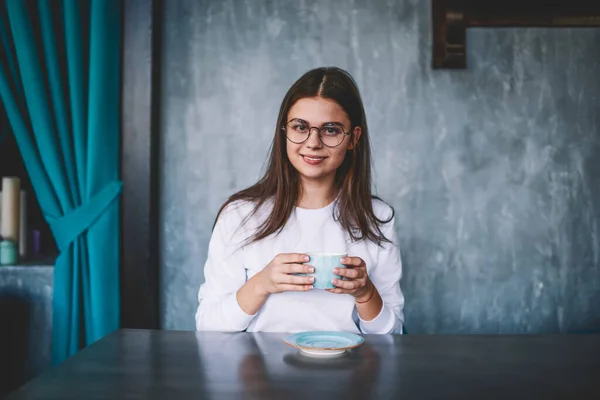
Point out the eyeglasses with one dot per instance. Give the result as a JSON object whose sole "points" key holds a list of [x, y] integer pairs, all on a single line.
{"points": [[331, 134]]}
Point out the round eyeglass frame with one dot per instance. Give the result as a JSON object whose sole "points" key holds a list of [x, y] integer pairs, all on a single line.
{"points": [[310, 128]]}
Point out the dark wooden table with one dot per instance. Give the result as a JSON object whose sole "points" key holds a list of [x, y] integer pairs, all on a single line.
{"points": [[138, 364]]}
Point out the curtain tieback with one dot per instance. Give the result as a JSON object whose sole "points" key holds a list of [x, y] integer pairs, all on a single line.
{"points": [[71, 225]]}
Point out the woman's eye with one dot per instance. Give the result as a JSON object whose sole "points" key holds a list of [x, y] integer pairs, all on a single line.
{"points": [[300, 127], [332, 130]]}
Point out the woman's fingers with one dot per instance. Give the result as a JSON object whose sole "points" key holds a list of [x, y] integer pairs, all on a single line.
{"points": [[352, 273], [296, 269], [289, 258], [353, 261], [295, 280], [350, 285], [284, 287], [339, 291]]}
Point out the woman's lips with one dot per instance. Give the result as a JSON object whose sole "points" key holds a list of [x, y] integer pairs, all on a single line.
{"points": [[313, 160]]}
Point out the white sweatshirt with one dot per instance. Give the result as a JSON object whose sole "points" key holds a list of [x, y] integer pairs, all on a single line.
{"points": [[230, 264]]}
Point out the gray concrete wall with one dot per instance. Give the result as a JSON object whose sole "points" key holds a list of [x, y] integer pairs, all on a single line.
{"points": [[492, 170]]}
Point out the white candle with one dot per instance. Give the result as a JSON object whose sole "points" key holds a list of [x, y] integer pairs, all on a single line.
{"points": [[11, 202], [23, 225]]}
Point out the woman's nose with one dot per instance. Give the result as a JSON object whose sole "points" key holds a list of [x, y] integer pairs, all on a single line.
{"points": [[314, 141]]}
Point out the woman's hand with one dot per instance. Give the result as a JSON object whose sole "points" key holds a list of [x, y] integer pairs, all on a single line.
{"points": [[278, 276], [357, 282]]}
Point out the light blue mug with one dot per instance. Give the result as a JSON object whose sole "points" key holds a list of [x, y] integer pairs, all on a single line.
{"points": [[324, 264]]}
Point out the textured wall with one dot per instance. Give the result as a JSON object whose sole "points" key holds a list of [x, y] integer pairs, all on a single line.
{"points": [[492, 170], [25, 323]]}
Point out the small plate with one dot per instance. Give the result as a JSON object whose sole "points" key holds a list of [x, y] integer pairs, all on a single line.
{"points": [[322, 343]]}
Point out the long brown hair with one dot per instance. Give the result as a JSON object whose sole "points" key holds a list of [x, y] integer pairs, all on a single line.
{"points": [[353, 178]]}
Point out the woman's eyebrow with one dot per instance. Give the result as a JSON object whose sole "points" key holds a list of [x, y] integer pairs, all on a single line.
{"points": [[323, 124], [299, 120]]}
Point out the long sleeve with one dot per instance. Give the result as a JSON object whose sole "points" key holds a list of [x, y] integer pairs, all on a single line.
{"points": [[386, 275], [224, 274]]}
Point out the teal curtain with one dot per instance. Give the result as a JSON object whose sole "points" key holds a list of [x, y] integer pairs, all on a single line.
{"points": [[59, 84]]}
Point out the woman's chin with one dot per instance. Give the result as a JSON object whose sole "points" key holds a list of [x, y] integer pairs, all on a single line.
{"points": [[316, 176], [317, 172]]}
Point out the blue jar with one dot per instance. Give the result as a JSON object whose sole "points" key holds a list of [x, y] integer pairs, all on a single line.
{"points": [[9, 253]]}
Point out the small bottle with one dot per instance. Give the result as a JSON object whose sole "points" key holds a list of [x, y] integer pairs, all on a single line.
{"points": [[9, 253]]}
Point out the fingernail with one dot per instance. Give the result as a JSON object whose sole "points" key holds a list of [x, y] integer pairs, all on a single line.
{"points": [[310, 287], [343, 260], [311, 270], [311, 279], [334, 281], [306, 258], [336, 271]]}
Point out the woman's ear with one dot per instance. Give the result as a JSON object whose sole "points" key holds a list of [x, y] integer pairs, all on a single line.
{"points": [[354, 138]]}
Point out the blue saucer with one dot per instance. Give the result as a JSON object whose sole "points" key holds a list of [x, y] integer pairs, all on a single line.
{"points": [[322, 343]]}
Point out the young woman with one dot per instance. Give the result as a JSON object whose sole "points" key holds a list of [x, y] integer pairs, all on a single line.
{"points": [[314, 196]]}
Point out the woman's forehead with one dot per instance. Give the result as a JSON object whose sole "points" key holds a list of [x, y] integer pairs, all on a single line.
{"points": [[317, 110]]}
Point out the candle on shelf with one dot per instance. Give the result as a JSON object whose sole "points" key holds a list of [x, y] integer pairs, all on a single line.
{"points": [[11, 203], [8, 252], [23, 225], [37, 242]]}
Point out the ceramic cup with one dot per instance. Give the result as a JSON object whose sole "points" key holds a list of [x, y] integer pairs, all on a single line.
{"points": [[324, 263]]}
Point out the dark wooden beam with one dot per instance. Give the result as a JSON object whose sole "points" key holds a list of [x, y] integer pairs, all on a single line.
{"points": [[139, 163], [452, 18], [449, 34]]}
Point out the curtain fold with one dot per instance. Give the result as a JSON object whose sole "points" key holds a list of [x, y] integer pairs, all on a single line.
{"points": [[59, 84]]}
